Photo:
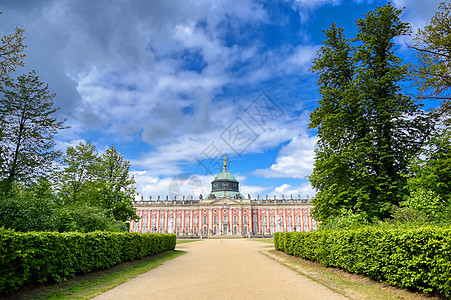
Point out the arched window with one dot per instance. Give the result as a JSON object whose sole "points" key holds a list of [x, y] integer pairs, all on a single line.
{"points": [[245, 219], [235, 220], [225, 218], [205, 219]]}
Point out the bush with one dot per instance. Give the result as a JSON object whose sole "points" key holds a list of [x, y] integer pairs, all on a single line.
{"points": [[36, 257], [418, 258]]}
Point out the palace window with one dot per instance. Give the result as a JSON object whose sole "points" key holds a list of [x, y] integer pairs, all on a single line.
{"points": [[187, 220], [153, 220], [214, 229], [245, 219], [297, 219], [205, 230], [162, 221], [161, 229], [178, 220], [186, 230], [235, 219], [289, 219], [195, 220], [263, 220], [145, 221], [215, 219], [245, 230], [178, 230], [205, 219], [225, 218], [195, 230], [234, 230]]}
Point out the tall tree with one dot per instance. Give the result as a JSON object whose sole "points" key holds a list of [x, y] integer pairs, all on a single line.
{"points": [[104, 181], [29, 127], [118, 186], [80, 174], [368, 131], [433, 66], [11, 55]]}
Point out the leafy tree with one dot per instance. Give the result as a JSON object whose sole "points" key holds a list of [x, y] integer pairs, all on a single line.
{"points": [[11, 55], [28, 129], [430, 182], [118, 187], [433, 67], [103, 182], [29, 209], [77, 181], [368, 131]]}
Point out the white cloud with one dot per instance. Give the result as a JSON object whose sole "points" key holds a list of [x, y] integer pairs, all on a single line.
{"points": [[295, 160], [304, 190]]}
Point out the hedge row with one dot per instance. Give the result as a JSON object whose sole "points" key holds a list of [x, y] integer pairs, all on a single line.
{"points": [[36, 257], [418, 259]]}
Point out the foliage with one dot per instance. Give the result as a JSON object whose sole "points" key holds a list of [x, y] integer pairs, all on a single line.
{"points": [[416, 258], [25, 212], [28, 129], [88, 219], [81, 169], [37, 257], [407, 216], [118, 188], [347, 219], [433, 66], [102, 181], [368, 130], [11, 55]]}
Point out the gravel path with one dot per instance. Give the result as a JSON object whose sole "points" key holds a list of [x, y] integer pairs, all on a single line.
{"points": [[221, 269]]}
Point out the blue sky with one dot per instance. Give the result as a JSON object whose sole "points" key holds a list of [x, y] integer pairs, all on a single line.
{"points": [[177, 85]]}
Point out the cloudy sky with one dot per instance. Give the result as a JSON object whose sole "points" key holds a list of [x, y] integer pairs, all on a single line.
{"points": [[177, 85]]}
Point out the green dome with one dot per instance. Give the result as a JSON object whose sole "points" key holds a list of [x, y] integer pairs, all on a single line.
{"points": [[225, 175], [225, 185]]}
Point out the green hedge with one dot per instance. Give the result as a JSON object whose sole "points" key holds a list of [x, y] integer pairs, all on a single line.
{"points": [[418, 259], [36, 257]]}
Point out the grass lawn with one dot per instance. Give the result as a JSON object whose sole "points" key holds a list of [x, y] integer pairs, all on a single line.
{"points": [[183, 241], [350, 285], [265, 240], [92, 284]]}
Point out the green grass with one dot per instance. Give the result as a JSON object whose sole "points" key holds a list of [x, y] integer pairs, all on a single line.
{"points": [[92, 284], [187, 241], [265, 240], [350, 285]]}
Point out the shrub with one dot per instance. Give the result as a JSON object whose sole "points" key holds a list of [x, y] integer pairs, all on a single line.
{"points": [[417, 258], [35, 257]]}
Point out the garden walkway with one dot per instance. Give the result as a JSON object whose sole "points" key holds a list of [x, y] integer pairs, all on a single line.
{"points": [[221, 269]]}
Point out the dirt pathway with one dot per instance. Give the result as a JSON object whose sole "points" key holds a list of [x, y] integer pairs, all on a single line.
{"points": [[221, 269]]}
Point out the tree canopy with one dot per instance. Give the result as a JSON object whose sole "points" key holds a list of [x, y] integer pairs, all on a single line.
{"points": [[433, 66], [28, 130], [368, 130]]}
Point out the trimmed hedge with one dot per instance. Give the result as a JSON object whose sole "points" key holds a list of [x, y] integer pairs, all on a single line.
{"points": [[418, 259], [36, 257]]}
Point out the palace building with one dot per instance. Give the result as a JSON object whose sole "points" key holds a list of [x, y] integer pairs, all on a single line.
{"points": [[225, 211]]}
